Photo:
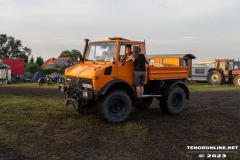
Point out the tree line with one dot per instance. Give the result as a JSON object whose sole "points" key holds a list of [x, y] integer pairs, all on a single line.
{"points": [[13, 48]]}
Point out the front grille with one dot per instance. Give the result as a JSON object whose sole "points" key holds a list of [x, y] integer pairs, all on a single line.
{"points": [[78, 81]]}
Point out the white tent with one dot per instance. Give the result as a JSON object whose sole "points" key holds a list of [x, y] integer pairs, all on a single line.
{"points": [[5, 73]]}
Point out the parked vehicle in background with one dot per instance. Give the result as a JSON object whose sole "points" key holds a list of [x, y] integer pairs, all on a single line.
{"points": [[43, 80], [200, 72], [16, 65], [106, 84], [225, 71], [5, 73]]}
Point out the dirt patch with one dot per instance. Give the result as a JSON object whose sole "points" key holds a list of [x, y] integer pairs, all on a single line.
{"points": [[31, 92], [211, 118]]}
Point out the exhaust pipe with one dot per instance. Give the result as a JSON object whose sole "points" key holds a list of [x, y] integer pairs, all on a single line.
{"points": [[85, 48]]}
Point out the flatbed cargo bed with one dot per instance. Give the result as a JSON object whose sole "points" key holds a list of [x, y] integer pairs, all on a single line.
{"points": [[168, 72]]}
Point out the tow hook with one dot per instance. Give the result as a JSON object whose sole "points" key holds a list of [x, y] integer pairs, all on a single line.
{"points": [[62, 88], [84, 101]]}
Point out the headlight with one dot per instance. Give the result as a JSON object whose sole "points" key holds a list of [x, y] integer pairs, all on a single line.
{"points": [[87, 86], [62, 88], [84, 94]]}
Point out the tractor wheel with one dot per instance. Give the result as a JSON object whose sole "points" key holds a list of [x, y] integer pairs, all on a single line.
{"points": [[116, 106], [175, 102], [237, 81], [86, 109], [214, 77]]}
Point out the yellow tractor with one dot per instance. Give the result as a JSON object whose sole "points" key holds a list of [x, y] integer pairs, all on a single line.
{"points": [[224, 71]]}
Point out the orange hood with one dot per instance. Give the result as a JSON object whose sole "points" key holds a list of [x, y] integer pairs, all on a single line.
{"points": [[82, 70]]}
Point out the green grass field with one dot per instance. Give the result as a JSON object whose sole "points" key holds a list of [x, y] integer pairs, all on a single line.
{"points": [[207, 87]]}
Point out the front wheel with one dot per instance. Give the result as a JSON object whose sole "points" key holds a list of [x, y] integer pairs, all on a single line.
{"points": [[237, 81], [175, 102], [214, 77], [116, 106]]}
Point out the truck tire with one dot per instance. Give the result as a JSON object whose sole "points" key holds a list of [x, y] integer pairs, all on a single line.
{"points": [[116, 106], [237, 81], [86, 109], [214, 77], [175, 101]]}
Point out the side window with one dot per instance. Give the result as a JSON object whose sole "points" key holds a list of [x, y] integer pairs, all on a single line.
{"points": [[199, 71], [163, 61], [122, 52], [226, 66], [185, 62], [230, 65]]}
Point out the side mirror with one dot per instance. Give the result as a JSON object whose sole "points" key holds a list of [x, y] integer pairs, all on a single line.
{"points": [[112, 59]]}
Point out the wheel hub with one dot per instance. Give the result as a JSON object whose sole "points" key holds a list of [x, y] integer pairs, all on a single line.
{"points": [[176, 101], [238, 82], [117, 106], [214, 78]]}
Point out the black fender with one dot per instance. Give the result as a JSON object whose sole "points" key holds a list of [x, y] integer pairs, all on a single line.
{"points": [[219, 70], [117, 84], [179, 84]]}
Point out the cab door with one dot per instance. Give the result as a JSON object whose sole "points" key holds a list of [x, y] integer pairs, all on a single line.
{"points": [[125, 69]]}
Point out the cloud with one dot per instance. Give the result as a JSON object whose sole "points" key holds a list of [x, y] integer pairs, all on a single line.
{"points": [[173, 26]]}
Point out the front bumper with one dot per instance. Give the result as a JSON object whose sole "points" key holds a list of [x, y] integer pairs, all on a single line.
{"points": [[77, 95], [82, 93]]}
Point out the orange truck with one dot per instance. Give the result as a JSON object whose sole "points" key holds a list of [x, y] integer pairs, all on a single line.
{"points": [[106, 84]]}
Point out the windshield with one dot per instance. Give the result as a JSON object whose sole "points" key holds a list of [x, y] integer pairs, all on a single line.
{"points": [[101, 51], [236, 65]]}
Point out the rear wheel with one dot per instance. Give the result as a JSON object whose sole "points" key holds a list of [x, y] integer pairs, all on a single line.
{"points": [[116, 106], [237, 81], [175, 101], [214, 77]]}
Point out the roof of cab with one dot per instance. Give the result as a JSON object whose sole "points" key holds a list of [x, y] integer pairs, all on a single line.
{"points": [[120, 39]]}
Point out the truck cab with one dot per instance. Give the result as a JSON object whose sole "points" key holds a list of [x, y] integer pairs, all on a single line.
{"points": [[104, 62]]}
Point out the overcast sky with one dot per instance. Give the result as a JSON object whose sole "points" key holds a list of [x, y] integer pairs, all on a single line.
{"points": [[208, 29]]}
